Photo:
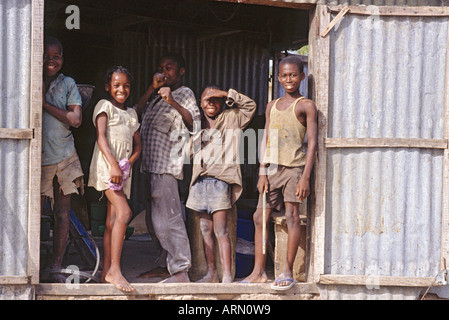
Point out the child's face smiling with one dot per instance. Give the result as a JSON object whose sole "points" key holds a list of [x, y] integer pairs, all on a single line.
{"points": [[52, 60], [119, 88], [170, 69], [290, 77], [211, 105]]}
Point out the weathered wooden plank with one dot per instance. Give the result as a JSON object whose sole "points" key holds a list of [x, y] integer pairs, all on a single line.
{"points": [[10, 280], [19, 134], [385, 143], [376, 280], [404, 11], [37, 39], [95, 289]]}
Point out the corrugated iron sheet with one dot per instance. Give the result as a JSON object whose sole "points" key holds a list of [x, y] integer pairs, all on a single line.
{"points": [[15, 53], [383, 205], [226, 60], [229, 61], [375, 2]]}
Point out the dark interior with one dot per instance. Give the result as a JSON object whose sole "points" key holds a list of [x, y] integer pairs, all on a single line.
{"points": [[226, 43]]}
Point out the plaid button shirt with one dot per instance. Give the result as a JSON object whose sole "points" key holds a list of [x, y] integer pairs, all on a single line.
{"points": [[162, 131]]}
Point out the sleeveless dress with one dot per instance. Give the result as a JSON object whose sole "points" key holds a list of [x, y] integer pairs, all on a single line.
{"points": [[121, 126]]}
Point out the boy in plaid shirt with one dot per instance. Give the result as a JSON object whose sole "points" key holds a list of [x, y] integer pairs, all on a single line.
{"points": [[173, 109]]}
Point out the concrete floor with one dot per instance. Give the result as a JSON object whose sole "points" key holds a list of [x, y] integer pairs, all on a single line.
{"points": [[138, 256]]}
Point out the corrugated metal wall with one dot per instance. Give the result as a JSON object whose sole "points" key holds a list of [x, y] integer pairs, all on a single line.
{"points": [[383, 205], [375, 2], [15, 59], [225, 60]]}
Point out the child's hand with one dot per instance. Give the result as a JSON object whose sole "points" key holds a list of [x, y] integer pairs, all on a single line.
{"points": [[158, 80], [214, 93], [116, 175], [165, 93], [262, 184], [302, 189]]}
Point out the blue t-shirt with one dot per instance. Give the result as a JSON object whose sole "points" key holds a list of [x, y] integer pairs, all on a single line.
{"points": [[57, 139]]}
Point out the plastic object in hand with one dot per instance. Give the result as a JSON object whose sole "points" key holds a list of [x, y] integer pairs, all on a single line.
{"points": [[125, 166]]}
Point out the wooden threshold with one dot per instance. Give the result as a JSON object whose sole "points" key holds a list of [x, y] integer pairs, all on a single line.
{"points": [[175, 289]]}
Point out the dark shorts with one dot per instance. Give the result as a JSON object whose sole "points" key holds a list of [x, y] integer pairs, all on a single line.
{"points": [[208, 194], [283, 185]]}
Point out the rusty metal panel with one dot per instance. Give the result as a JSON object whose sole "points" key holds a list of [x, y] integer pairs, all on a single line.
{"points": [[384, 205], [225, 60], [15, 57], [410, 3]]}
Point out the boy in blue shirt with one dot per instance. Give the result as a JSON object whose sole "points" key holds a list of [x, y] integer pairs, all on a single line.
{"points": [[61, 169]]}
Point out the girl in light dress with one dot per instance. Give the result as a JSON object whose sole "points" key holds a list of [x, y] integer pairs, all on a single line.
{"points": [[117, 147]]}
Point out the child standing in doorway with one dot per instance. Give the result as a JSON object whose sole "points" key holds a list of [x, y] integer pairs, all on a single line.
{"points": [[62, 174], [216, 178], [286, 182], [117, 147]]}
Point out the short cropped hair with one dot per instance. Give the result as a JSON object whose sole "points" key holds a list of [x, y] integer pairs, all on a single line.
{"points": [[175, 56], [50, 41], [292, 59]]}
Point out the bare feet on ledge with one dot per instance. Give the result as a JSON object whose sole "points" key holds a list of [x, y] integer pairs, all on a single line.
{"points": [[209, 278], [256, 277], [119, 282], [181, 276]]}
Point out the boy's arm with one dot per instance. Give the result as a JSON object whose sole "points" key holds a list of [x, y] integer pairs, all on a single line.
{"points": [[72, 116], [303, 188], [262, 183], [137, 148], [158, 81], [245, 105], [186, 115]]}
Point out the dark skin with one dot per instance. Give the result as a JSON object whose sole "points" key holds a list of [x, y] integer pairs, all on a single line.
{"points": [[118, 211], [212, 103], [290, 78], [168, 79], [165, 81], [52, 65]]}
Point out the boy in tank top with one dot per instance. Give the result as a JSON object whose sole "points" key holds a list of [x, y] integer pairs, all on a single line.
{"points": [[285, 169]]}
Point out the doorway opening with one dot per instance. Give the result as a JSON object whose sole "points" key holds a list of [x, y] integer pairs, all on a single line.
{"points": [[233, 45]]}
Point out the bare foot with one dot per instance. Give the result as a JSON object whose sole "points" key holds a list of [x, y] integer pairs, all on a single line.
{"points": [[156, 272], [227, 278], [209, 278], [256, 277], [119, 282], [181, 276]]}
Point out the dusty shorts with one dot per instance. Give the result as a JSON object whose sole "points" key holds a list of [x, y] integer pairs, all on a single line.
{"points": [[283, 185], [68, 173], [208, 194]]}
